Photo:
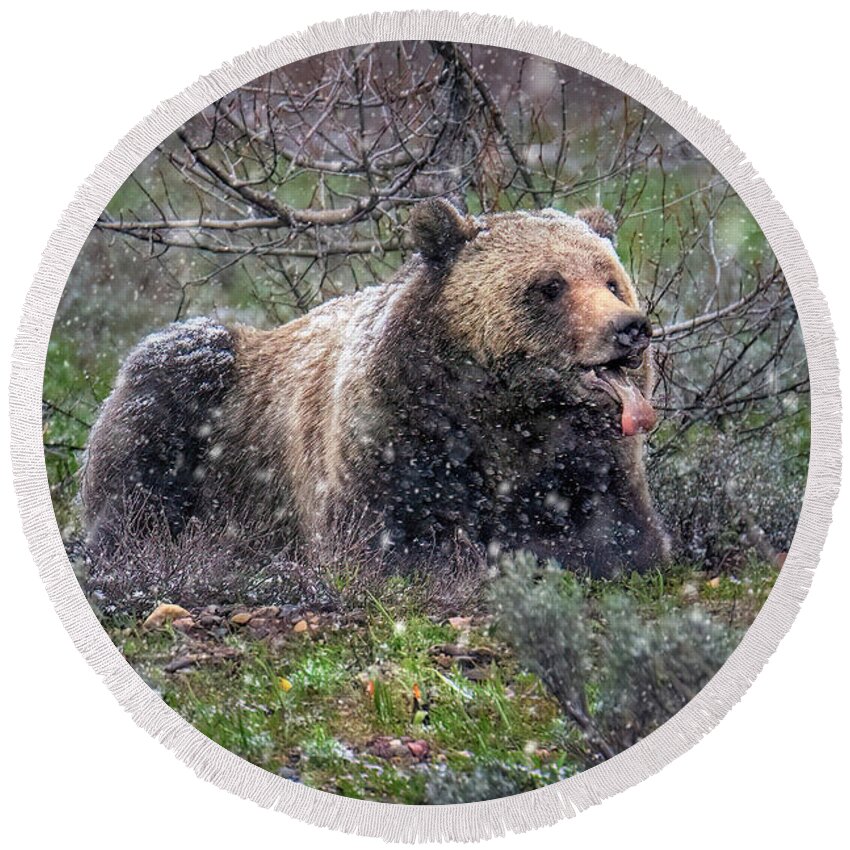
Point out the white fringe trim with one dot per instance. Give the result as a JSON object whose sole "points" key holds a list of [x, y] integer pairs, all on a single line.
{"points": [[470, 821]]}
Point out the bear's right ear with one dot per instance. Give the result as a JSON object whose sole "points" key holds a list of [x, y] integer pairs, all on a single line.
{"points": [[439, 230], [601, 222]]}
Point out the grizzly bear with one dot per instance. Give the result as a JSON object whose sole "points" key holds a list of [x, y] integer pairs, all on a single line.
{"points": [[495, 390]]}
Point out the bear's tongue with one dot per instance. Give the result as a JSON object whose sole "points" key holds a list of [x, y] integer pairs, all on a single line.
{"points": [[637, 413]]}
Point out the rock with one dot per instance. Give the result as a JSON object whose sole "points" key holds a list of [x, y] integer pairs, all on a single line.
{"points": [[380, 747], [289, 612], [473, 662], [476, 674], [387, 748], [163, 614], [241, 618], [227, 653], [308, 620], [289, 773], [460, 622], [209, 620], [418, 749], [180, 663]]}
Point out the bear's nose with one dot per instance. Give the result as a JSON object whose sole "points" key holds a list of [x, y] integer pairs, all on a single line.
{"points": [[633, 333]]}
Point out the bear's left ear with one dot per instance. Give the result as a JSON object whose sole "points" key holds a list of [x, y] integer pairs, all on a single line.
{"points": [[439, 230], [601, 222]]}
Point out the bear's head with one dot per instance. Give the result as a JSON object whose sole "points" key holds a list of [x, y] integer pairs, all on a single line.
{"points": [[546, 289]]}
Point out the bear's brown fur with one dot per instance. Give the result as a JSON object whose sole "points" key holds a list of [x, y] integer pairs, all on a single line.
{"points": [[494, 390]]}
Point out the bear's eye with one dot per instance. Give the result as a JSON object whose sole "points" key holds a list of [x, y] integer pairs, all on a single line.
{"points": [[613, 288], [552, 287]]}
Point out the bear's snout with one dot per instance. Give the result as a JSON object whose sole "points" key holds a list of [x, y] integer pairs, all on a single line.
{"points": [[631, 332]]}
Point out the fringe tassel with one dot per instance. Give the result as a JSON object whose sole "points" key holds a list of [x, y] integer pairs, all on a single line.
{"points": [[470, 821]]}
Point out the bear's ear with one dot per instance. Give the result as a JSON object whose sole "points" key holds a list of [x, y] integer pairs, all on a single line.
{"points": [[439, 230], [600, 221]]}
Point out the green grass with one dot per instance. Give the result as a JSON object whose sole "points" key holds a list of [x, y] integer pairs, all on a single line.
{"points": [[336, 706]]}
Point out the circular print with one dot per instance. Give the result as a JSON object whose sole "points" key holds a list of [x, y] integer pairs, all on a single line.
{"points": [[426, 422]]}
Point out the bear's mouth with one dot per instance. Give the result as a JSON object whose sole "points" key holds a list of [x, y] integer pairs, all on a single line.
{"points": [[636, 413]]}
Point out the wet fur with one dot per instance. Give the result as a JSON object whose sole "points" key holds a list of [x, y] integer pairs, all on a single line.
{"points": [[441, 405]]}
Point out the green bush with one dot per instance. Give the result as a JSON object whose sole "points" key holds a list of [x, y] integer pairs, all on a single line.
{"points": [[616, 671]]}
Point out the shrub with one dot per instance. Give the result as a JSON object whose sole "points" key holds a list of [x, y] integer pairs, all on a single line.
{"points": [[616, 672], [724, 496], [485, 782]]}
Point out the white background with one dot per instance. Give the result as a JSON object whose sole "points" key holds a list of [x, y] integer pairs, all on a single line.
{"points": [[76, 77]]}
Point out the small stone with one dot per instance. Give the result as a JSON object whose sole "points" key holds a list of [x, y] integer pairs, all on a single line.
{"points": [[241, 618], [209, 621], [259, 627], [288, 612], [311, 619], [300, 626], [180, 663], [388, 748], [163, 614], [225, 652], [380, 747], [476, 674], [289, 773], [418, 749]]}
